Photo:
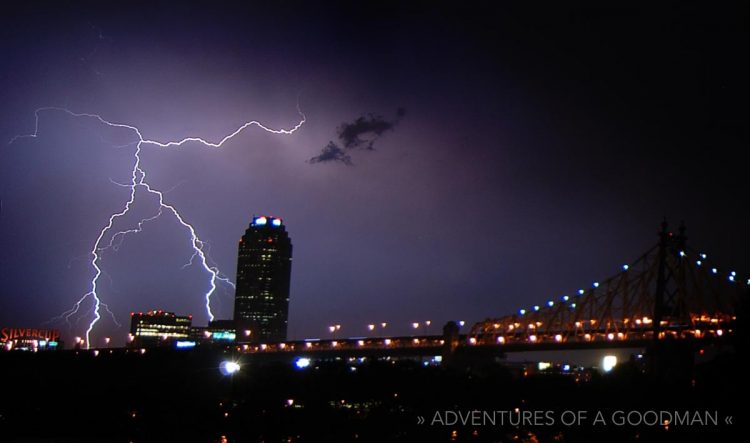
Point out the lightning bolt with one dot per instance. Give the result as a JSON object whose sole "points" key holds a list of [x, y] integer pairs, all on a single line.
{"points": [[138, 182]]}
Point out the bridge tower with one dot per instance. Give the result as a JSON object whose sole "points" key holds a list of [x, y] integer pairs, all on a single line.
{"points": [[670, 280]]}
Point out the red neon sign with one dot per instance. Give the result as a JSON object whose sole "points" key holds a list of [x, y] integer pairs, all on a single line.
{"points": [[29, 334]]}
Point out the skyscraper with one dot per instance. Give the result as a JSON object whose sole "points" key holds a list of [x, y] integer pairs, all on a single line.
{"points": [[264, 266]]}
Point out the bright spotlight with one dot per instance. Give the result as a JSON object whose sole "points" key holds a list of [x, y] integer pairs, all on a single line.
{"points": [[228, 367], [302, 363], [609, 362]]}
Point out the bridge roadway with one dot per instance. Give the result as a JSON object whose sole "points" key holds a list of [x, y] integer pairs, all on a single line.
{"points": [[435, 345]]}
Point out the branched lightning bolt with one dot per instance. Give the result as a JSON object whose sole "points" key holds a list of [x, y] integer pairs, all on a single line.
{"points": [[138, 181]]}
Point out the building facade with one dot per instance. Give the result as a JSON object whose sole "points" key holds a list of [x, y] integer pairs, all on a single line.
{"points": [[221, 332], [264, 266], [158, 328]]}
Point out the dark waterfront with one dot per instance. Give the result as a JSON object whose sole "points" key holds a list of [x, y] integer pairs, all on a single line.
{"points": [[167, 395]]}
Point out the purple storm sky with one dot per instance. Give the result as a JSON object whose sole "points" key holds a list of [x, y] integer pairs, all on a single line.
{"points": [[517, 153]]}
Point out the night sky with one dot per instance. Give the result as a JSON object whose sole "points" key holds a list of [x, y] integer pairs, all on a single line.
{"points": [[458, 160]]}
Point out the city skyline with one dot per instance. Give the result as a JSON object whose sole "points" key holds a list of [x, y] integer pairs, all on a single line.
{"points": [[456, 163]]}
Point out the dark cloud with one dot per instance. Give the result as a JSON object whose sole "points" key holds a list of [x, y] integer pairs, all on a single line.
{"points": [[332, 153], [362, 133]]}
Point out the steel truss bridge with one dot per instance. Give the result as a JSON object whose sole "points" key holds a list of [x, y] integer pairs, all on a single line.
{"points": [[669, 292]]}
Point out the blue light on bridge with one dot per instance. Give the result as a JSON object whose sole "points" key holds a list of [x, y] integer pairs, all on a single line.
{"points": [[699, 263], [682, 253], [536, 307], [565, 298], [302, 363], [573, 305], [703, 256], [625, 267], [596, 284], [714, 270], [581, 292], [550, 303], [733, 274], [731, 278], [522, 311]]}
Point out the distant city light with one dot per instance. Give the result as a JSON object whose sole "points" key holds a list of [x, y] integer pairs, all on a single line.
{"points": [[302, 363], [260, 221], [682, 253], [703, 256], [522, 311], [461, 323], [609, 362], [276, 222], [185, 344], [565, 298], [625, 267], [698, 263], [228, 367], [714, 270], [221, 335], [544, 365], [596, 284], [566, 368]]}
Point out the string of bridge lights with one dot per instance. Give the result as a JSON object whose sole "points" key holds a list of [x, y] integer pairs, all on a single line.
{"points": [[702, 257]]}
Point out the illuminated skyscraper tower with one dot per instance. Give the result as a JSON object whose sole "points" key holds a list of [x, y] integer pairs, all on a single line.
{"points": [[264, 266]]}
